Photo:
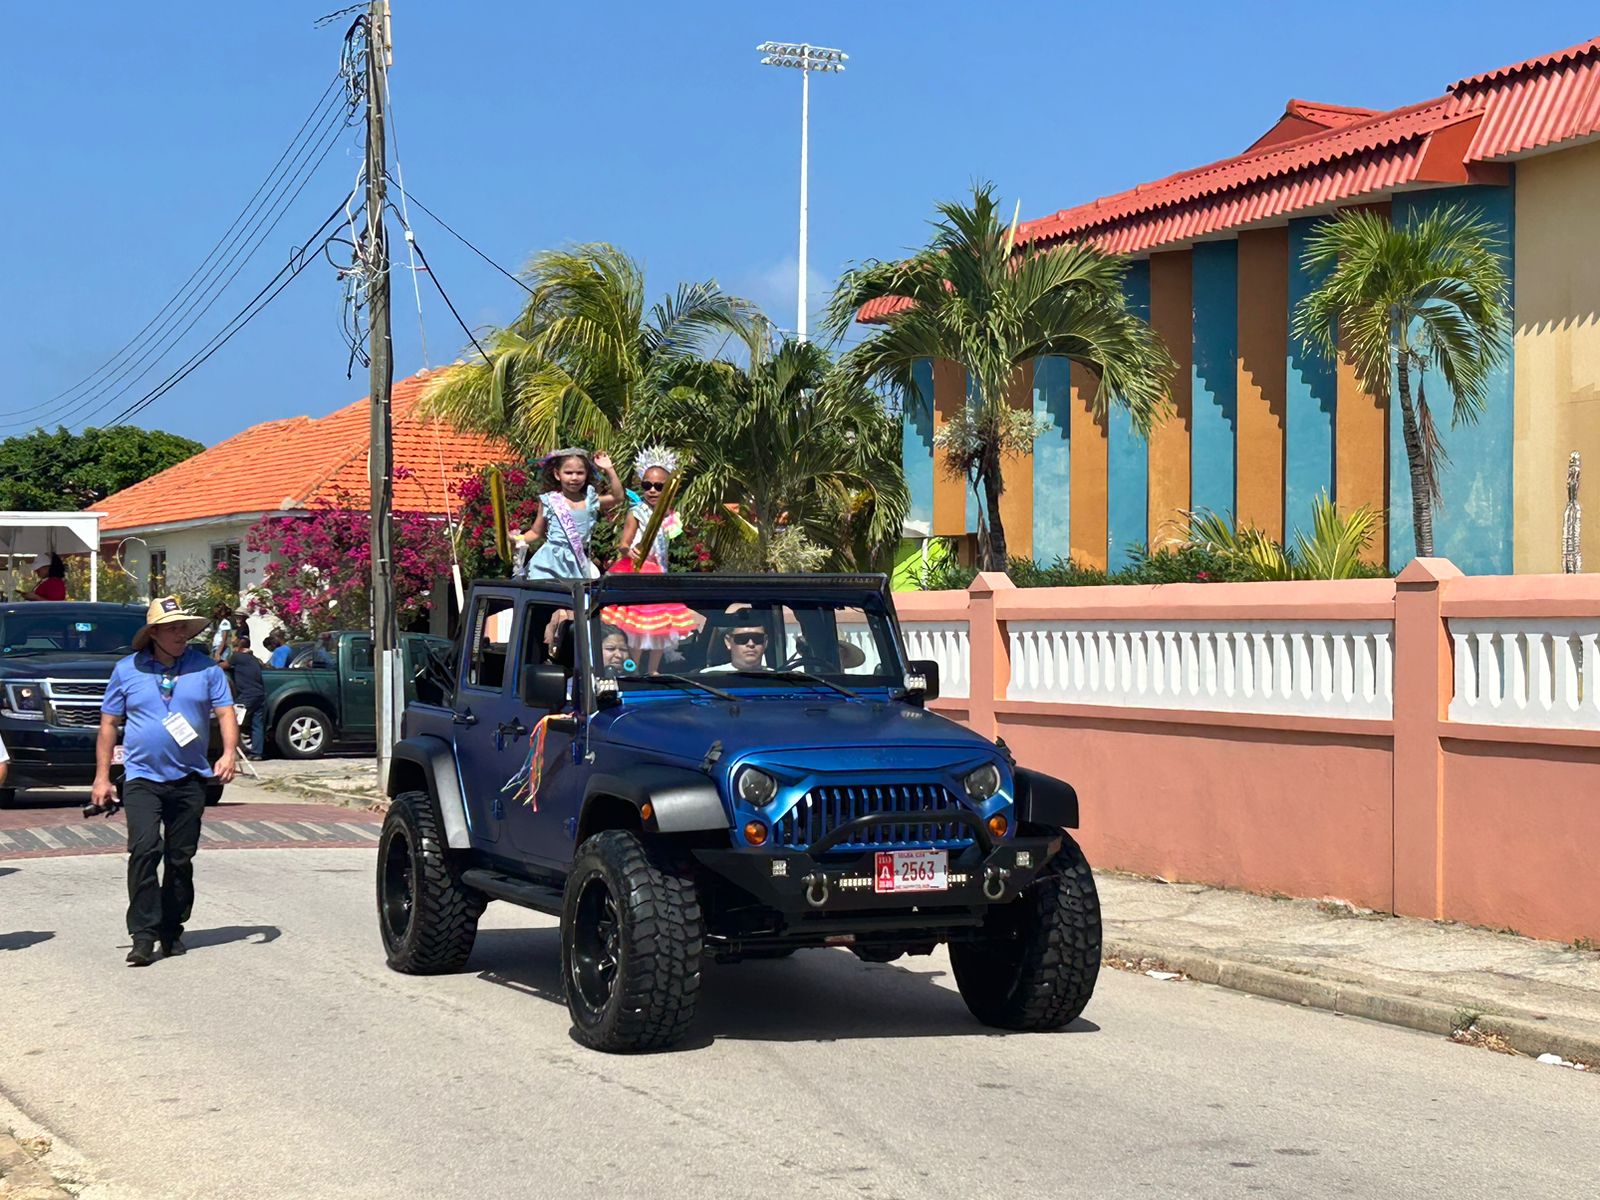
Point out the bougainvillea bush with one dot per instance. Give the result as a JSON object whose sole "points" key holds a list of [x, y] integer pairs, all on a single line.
{"points": [[320, 571]]}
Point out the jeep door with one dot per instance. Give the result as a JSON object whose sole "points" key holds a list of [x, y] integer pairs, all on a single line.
{"points": [[538, 831], [483, 707]]}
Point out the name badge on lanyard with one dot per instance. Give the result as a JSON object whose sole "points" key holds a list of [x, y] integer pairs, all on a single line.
{"points": [[178, 726]]}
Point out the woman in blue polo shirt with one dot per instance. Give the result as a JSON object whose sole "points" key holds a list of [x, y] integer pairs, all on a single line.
{"points": [[164, 694]]}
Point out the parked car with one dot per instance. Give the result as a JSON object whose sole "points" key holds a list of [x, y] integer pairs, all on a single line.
{"points": [[327, 693], [776, 784], [55, 662]]}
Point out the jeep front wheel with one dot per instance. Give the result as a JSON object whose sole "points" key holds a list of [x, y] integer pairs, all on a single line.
{"points": [[631, 940], [1039, 956], [428, 917]]}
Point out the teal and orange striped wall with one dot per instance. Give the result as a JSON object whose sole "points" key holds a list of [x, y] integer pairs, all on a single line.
{"points": [[1260, 423]]}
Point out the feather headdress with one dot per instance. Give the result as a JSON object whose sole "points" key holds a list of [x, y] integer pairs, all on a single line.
{"points": [[651, 457]]}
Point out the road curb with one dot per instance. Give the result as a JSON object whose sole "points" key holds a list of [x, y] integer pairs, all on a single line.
{"points": [[22, 1177], [1524, 1032]]}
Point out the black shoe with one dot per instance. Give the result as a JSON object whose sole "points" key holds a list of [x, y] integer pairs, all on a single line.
{"points": [[143, 952], [173, 947]]}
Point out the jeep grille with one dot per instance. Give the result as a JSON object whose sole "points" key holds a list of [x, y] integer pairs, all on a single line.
{"points": [[823, 809]]}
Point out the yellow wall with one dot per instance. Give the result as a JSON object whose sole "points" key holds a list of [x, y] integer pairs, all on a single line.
{"points": [[1172, 317], [1557, 351], [1016, 502], [1087, 481], [949, 491], [1263, 334]]}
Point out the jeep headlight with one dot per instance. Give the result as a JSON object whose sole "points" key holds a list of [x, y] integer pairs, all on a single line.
{"points": [[982, 783], [25, 700], [756, 787]]}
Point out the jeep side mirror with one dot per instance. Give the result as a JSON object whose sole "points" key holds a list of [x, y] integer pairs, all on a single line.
{"points": [[543, 687], [927, 671]]}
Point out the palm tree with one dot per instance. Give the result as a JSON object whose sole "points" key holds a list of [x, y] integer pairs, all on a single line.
{"points": [[582, 352], [1403, 298], [784, 445], [978, 301]]}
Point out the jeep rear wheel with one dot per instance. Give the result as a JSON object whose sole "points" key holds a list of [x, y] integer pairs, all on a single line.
{"points": [[1036, 965], [631, 942], [427, 916]]}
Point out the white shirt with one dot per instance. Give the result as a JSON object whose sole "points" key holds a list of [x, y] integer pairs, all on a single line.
{"points": [[4, 757]]}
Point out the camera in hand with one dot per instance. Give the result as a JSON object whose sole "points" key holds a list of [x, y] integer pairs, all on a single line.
{"points": [[102, 810]]}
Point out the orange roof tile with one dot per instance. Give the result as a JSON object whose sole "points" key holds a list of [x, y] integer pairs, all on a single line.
{"points": [[291, 464], [1318, 156]]}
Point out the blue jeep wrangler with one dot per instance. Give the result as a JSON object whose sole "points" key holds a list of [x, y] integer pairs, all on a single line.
{"points": [[770, 782]]}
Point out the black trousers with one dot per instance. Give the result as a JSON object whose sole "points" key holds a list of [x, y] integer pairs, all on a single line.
{"points": [[163, 827]]}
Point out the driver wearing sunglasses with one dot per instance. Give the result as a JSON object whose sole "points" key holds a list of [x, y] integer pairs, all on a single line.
{"points": [[747, 649]]}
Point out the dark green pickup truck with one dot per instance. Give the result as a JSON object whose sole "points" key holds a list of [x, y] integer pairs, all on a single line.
{"points": [[327, 693]]}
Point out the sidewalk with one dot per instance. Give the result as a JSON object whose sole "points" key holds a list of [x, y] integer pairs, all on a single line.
{"points": [[349, 779], [1496, 989]]}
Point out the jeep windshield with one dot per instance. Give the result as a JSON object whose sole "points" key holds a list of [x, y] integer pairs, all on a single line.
{"points": [[58, 628], [742, 635]]}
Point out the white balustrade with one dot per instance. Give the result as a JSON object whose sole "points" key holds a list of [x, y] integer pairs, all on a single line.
{"points": [[947, 643], [1308, 668], [1538, 673]]}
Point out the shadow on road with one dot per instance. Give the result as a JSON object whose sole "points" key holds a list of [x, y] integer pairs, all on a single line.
{"points": [[197, 939], [4, 871], [21, 939], [815, 996]]}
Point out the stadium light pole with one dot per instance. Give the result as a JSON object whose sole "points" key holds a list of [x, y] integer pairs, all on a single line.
{"points": [[804, 58]]}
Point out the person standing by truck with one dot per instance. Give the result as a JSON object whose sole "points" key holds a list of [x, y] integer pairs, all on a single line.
{"points": [[165, 693], [249, 690]]}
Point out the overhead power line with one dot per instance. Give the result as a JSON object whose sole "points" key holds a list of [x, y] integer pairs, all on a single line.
{"points": [[212, 264], [107, 394], [412, 196], [285, 276]]}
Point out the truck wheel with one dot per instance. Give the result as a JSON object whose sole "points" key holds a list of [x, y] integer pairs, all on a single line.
{"points": [[427, 916], [631, 936], [303, 732], [1036, 966]]}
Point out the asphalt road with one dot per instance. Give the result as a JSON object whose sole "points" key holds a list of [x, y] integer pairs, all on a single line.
{"points": [[281, 1058]]}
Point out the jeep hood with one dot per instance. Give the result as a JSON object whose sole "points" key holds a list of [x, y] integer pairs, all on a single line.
{"points": [[686, 728]]}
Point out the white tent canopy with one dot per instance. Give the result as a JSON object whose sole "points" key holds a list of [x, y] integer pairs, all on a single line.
{"points": [[34, 533]]}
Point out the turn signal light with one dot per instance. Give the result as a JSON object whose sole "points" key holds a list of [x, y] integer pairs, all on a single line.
{"points": [[755, 833], [646, 810], [998, 825]]}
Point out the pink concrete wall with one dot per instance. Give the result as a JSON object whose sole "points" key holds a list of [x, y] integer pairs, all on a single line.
{"points": [[1488, 825]]}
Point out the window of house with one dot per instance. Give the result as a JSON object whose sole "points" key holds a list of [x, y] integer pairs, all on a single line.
{"points": [[490, 634], [158, 573], [225, 561]]}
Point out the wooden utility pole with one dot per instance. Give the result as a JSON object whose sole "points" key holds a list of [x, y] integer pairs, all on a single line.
{"points": [[380, 468]]}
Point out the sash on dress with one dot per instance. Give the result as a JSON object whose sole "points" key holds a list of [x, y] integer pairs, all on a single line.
{"points": [[557, 503]]}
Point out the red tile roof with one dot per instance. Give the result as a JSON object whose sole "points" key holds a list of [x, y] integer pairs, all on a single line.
{"points": [[1347, 153], [284, 465]]}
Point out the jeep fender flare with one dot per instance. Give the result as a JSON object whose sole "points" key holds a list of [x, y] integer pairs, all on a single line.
{"points": [[1045, 800], [681, 800], [432, 759]]}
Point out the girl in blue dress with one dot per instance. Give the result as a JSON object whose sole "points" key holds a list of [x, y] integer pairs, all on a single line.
{"points": [[568, 509]]}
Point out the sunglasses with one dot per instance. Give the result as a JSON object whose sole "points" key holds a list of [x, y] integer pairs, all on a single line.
{"points": [[652, 487], [748, 639]]}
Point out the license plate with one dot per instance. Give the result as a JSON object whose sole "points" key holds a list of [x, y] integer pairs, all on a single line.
{"points": [[118, 755], [910, 871]]}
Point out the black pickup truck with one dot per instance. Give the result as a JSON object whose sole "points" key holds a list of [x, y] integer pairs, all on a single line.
{"points": [[55, 661]]}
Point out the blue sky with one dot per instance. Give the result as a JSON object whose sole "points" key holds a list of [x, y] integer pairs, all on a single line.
{"points": [[134, 132]]}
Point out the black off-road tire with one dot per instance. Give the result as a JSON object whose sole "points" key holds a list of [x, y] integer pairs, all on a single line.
{"points": [[1036, 966], [655, 944], [427, 917], [303, 732]]}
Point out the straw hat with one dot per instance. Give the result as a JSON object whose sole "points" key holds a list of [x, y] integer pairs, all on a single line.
{"points": [[167, 610]]}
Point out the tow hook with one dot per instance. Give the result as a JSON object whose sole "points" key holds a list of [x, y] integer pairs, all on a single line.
{"points": [[816, 889], [994, 881]]}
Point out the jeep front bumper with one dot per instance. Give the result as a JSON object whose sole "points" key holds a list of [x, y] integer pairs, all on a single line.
{"points": [[814, 881]]}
